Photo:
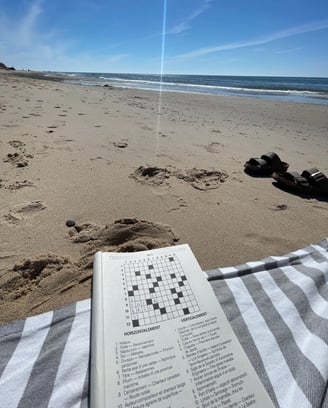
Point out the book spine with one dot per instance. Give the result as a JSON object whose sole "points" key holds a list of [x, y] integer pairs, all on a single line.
{"points": [[97, 388]]}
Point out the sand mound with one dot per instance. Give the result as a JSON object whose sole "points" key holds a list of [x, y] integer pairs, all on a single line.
{"points": [[37, 284], [40, 267], [46, 282], [124, 235]]}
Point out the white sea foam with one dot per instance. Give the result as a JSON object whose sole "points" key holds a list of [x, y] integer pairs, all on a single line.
{"points": [[250, 91]]}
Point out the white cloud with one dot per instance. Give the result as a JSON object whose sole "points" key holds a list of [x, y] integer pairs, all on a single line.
{"points": [[305, 28], [185, 24], [26, 32], [24, 45]]}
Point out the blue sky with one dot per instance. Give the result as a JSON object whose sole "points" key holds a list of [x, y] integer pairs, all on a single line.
{"points": [[223, 37]]}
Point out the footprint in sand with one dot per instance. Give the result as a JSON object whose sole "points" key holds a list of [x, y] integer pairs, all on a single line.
{"points": [[203, 179], [214, 147], [151, 175], [17, 185], [17, 144], [22, 211], [100, 158], [17, 159], [198, 178]]}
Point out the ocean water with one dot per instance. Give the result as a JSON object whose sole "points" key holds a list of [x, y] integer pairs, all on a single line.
{"points": [[294, 89]]}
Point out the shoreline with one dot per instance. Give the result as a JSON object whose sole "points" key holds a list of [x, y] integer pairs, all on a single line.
{"points": [[91, 79], [97, 155]]}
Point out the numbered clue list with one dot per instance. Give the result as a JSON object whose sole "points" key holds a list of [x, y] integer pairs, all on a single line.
{"points": [[166, 338]]}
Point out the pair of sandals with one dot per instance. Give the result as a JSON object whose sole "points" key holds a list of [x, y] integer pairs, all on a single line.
{"points": [[312, 181]]}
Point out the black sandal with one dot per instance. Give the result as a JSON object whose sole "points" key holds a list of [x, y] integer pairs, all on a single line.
{"points": [[311, 181], [267, 164]]}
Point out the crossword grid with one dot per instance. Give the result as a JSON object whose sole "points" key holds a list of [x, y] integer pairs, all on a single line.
{"points": [[158, 290]]}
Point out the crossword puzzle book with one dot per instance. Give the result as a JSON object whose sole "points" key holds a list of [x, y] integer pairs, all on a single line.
{"points": [[161, 339]]}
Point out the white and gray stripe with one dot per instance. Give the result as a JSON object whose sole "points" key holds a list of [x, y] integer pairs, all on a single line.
{"points": [[278, 308]]}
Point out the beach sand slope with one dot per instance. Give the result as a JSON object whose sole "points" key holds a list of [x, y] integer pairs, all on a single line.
{"points": [[134, 178]]}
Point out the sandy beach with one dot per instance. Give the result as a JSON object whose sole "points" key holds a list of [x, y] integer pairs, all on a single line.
{"points": [[137, 169]]}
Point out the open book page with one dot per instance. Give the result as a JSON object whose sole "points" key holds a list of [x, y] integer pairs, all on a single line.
{"points": [[161, 339]]}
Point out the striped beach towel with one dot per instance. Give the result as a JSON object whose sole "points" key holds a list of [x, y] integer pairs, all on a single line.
{"points": [[278, 308]]}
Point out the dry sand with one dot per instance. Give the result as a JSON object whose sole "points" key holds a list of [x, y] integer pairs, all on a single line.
{"points": [[134, 179]]}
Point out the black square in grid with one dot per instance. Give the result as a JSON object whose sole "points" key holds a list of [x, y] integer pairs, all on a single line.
{"points": [[177, 301], [156, 306], [172, 275], [149, 302], [186, 310], [180, 294], [162, 310], [135, 287], [159, 279], [135, 323], [150, 267], [137, 273], [130, 293], [171, 259], [183, 278], [155, 284], [151, 290], [173, 290], [181, 283], [148, 276]]}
